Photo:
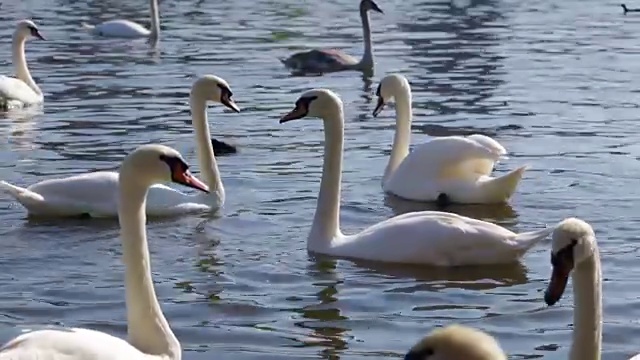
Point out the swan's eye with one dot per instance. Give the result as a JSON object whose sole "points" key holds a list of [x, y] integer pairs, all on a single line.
{"points": [[304, 102], [175, 163], [225, 91]]}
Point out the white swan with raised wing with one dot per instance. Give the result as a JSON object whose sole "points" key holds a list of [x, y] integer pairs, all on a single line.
{"points": [[94, 194], [129, 29], [454, 168], [20, 91], [149, 334], [426, 237]]}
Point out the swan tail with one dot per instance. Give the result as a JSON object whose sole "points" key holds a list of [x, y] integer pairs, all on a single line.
{"points": [[501, 189], [24, 196], [87, 26], [526, 240]]}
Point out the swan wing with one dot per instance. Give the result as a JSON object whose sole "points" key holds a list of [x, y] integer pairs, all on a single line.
{"points": [[438, 238], [485, 166], [163, 200], [441, 159], [15, 90], [324, 60], [69, 344], [93, 194]]}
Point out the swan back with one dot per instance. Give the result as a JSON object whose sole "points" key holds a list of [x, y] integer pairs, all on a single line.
{"points": [[152, 164], [26, 29], [456, 342], [213, 88], [573, 242], [320, 103]]}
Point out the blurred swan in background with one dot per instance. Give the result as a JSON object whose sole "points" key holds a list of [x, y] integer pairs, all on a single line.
{"points": [[332, 60], [128, 29], [20, 91]]}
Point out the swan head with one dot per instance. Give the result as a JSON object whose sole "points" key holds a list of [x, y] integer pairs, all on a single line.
{"points": [[322, 103], [456, 342], [367, 5], [389, 88], [26, 29], [573, 242], [152, 164], [214, 88]]}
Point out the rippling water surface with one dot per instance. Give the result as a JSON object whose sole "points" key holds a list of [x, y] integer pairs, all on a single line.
{"points": [[555, 82]]}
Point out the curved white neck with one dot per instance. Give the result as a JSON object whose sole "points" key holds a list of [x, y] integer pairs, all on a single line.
{"points": [[587, 312], [326, 222], [20, 63], [148, 330], [402, 136], [206, 157], [155, 19], [367, 56]]}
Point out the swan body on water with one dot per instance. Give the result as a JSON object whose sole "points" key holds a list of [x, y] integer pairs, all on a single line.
{"points": [[320, 61], [20, 91], [128, 29], [149, 334], [426, 237], [456, 342], [457, 168], [94, 194]]}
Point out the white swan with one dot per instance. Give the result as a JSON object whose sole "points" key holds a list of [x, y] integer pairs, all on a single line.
{"points": [[332, 60], [574, 248], [456, 342], [427, 237], [149, 334], [128, 29], [20, 91], [449, 168], [94, 194]]}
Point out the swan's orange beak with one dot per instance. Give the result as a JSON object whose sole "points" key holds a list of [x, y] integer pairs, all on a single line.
{"points": [[562, 263], [297, 113], [185, 178]]}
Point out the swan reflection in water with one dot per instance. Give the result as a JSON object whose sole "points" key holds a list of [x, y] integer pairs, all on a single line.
{"points": [[19, 127], [331, 329]]}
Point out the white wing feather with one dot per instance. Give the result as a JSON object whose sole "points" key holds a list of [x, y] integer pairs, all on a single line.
{"points": [[70, 344]]}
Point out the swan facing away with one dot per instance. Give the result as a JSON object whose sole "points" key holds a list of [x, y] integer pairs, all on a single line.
{"points": [[94, 194], [149, 334], [20, 91], [449, 169], [426, 237], [128, 29], [456, 342], [319, 61]]}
